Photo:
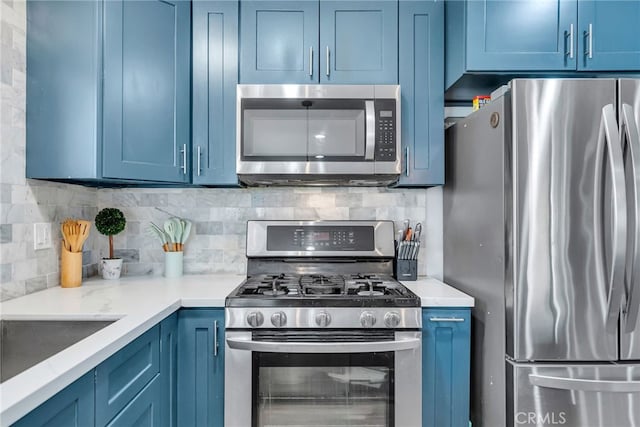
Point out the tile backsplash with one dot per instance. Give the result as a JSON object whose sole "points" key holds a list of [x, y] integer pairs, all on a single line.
{"points": [[217, 243]]}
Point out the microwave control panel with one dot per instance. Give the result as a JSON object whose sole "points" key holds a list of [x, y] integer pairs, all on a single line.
{"points": [[385, 130]]}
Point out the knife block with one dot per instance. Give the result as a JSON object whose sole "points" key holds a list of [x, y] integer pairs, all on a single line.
{"points": [[406, 269], [70, 268]]}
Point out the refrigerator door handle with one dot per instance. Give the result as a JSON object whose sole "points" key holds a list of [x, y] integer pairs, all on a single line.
{"points": [[580, 384], [630, 137], [609, 140]]}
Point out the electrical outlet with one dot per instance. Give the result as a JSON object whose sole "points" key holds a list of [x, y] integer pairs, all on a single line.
{"points": [[41, 235]]}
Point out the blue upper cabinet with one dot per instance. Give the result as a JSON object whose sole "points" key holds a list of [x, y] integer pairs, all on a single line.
{"points": [[109, 97], [607, 35], [72, 407], [421, 78], [215, 76], [312, 41], [279, 42], [520, 35], [524, 37], [359, 42], [146, 89], [201, 368]]}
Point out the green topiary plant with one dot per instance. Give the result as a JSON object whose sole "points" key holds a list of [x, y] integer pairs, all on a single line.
{"points": [[110, 221]]}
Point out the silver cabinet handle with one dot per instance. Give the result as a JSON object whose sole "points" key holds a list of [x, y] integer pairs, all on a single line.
{"points": [[406, 155], [609, 140], [589, 34], [198, 155], [580, 384], [570, 53], [446, 319], [215, 338], [370, 130], [184, 159], [323, 347], [328, 62], [631, 147], [310, 61]]}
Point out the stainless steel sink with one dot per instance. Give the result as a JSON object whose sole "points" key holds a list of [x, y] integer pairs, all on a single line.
{"points": [[25, 343]]}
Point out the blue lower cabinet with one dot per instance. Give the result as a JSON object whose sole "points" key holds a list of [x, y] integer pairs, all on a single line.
{"points": [[122, 376], [145, 410], [446, 336], [201, 368], [169, 370], [72, 407]]}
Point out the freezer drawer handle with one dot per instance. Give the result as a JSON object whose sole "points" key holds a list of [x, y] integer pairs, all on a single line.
{"points": [[631, 149], [579, 384], [330, 347], [609, 141]]}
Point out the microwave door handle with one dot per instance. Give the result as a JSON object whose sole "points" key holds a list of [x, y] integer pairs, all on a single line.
{"points": [[370, 130], [323, 347]]}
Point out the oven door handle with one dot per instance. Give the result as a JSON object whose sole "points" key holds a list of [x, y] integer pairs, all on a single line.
{"points": [[323, 347]]}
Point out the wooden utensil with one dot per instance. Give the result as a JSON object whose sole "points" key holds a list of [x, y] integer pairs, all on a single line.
{"points": [[83, 235]]}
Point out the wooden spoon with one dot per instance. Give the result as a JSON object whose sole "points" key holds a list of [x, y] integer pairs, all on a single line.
{"points": [[85, 227]]}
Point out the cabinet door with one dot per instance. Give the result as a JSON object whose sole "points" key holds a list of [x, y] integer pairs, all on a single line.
{"points": [[201, 368], [72, 407], [144, 410], [526, 35], [608, 35], [122, 376], [215, 76], [445, 367], [169, 370], [359, 42], [421, 74], [279, 42], [146, 89]]}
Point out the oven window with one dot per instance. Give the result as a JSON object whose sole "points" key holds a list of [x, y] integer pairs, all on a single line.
{"points": [[323, 389]]}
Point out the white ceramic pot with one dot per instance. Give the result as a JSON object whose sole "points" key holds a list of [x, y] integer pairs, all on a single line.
{"points": [[111, 268]]}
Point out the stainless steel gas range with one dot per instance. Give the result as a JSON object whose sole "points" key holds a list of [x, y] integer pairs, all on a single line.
{"points": [[320, 334]]}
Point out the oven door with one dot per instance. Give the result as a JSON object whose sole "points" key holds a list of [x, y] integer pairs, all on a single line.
{"points": [[323, 378]]}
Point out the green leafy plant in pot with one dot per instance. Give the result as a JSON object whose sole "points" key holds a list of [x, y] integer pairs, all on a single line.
{"points": [[110, 221]]}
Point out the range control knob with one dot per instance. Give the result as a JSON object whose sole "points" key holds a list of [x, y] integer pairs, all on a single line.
{"points": [[392, 319], [367, 319], [279, 319], [323, 319], [255, 319]]}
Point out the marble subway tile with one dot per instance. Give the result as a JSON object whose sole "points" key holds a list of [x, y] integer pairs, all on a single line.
{"points": [[209, 227], [5, 273], [6, 233], [127, 255], [36, 284], [13, 289]]}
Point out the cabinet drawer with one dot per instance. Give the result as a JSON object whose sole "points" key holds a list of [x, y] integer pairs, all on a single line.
{"points": [[121, 377], [143, 410], [72, 407]]}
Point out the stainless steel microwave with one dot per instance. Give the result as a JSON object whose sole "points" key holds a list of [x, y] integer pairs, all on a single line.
{"points": [[318, 134]]}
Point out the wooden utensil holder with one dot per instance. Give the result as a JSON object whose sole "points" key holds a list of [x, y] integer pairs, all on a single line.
{"points": [[70, 268]]}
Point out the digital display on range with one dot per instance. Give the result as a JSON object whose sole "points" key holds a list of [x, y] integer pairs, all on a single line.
{"points": [[320, 238]]}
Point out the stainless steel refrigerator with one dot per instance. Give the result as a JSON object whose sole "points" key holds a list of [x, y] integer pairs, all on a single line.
{"points": [[541, 226]]}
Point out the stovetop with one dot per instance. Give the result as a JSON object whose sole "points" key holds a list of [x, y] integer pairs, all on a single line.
{"points": [[331, 290]]}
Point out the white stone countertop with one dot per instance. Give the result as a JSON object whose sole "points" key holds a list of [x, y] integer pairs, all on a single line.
{"points": [[135, 304]]}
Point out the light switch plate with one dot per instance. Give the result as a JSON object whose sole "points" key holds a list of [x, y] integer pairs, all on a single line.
{"points": [[41, 235]]}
